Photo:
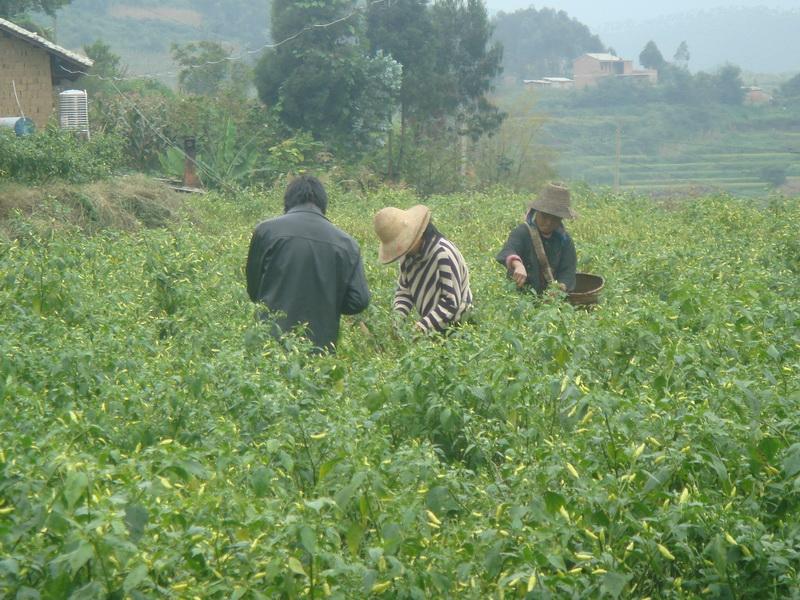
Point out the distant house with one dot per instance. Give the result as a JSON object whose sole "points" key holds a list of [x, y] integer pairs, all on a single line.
{"points": [[32, 72], [558, 83], [589, 69], [755, 95]]}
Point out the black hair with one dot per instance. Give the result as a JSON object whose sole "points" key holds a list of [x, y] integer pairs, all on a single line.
{"points": [[305, 189], [431, 232]]}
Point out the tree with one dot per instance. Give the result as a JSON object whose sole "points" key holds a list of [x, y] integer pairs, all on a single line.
{"points": [[682, 55], [465, 66], [207, 68], [324, 80], [728, 85], [542, 43], [791, 88], [13, 8], [107, 68], [403, 30], [650, 57]]}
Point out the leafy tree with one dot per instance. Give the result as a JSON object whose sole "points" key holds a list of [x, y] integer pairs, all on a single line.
{"points": [[650, 57], [791, 88], [12, 8], [544, 42], [324, 80], [465, 66], [107, 67], [728, 85], [403, 29], [207, 68], [682, 56]]}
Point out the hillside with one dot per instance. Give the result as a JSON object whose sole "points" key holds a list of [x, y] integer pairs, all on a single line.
{"points": [[142, 31], [666, 149]]}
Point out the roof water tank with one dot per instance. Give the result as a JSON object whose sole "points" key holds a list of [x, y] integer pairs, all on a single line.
{"points": [[21, 125], [73, 110]]}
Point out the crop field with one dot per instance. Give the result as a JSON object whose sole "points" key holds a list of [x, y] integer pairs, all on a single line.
{"points": [[156, 443], [674, 148], [735, 173]]}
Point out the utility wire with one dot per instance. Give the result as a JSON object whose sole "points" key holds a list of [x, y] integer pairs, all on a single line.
{"points": [[242, 55], [197, 162], [207, 169]]}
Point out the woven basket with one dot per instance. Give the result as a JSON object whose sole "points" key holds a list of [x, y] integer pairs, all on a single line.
{"points": [[587, 289]]}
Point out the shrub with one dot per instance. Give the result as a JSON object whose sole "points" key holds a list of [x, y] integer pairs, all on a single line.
{"points": [[58, 154]]}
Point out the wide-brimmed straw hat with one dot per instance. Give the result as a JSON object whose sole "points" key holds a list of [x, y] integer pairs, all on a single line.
{"points": [[399, 229], [554, 200]]}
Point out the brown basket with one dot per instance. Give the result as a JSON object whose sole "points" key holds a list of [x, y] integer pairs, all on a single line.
{"points": [[587, 289]]}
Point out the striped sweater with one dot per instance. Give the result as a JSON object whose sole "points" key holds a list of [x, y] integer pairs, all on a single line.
{"points": [[436, 283]]}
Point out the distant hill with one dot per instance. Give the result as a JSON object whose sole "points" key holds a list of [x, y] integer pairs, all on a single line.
{"points": [[142, 31], [760, 40]]}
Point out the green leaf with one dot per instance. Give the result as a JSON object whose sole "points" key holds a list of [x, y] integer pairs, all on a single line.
{"points": [[9, 566], [26, 593], [557, 561], [769, 447], [554, 501], [91, 591], [791, 463], [134, 578], [136, 517], [260, 480], [308, 539], [320, 503], [295, 566], [614, 583], [79, 557], [74, 487], [658, 479], [353, 536], [326, 467]]}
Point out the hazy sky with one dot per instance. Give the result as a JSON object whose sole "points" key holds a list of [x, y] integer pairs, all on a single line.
{"points": [[599, 12]]}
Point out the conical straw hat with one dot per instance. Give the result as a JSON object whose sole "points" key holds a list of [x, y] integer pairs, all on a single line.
{"points": [[554, 200], [399, 229]]}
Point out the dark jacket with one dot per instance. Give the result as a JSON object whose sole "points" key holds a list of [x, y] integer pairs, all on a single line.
{"points": [[560, 251], [304, 267]]}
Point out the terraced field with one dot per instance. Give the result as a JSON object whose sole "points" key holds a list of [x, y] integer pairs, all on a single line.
{"points": [[735, 173], [674, 150]]}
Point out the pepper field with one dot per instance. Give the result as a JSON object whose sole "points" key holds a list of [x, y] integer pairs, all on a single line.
{"points": [[155, 443]]}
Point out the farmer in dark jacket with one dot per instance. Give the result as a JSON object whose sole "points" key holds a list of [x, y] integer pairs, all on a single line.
{"points": [[304, 269], [543, 219]]}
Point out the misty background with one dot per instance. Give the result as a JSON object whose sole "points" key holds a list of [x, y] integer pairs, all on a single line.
{"points": [[759, 36]]}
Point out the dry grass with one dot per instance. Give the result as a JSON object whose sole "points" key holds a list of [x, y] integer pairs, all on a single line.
{"points": [[123, 203]]}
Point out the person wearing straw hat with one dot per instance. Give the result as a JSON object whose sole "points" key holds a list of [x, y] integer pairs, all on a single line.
{"points": [[303, 269], [433, 278], [544, 220]]}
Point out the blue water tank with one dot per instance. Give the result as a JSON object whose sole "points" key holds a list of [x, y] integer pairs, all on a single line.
{"points": [[21, 125]]}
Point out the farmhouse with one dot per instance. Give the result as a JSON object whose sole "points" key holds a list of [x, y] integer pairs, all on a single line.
{"points": [[32, 72], [755, 95], [589, 69]]}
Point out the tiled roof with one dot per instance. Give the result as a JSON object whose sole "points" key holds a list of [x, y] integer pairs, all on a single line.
{"points": [[76, 60]]}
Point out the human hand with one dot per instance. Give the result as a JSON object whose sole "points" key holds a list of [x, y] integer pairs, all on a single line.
{"points": [[519, 274]]}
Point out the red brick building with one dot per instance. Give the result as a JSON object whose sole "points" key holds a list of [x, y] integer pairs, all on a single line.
{"points": [[591, 68], [33, 71]]}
